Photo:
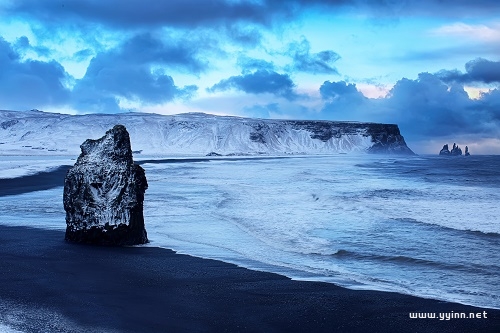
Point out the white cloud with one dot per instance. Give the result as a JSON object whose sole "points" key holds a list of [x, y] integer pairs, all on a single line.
{"points": [[373, 91], [488, 33], [475, 92]]}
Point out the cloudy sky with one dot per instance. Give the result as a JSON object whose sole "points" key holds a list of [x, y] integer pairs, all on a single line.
{"points": [[431, 66]]}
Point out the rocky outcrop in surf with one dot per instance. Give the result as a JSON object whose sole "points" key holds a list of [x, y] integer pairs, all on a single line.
{"points": [[445, 150], [455, 151], [104, 193]]}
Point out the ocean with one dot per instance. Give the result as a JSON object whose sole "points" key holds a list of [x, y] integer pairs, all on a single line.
{"points": [[427, 226]]}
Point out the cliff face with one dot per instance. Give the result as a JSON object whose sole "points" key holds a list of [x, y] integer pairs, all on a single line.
{"points": [[198, 134], [387, 139], [337, 136], [104, 193]]}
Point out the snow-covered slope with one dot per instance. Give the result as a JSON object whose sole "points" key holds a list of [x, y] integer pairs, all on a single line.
{"points": [[36, 133]]}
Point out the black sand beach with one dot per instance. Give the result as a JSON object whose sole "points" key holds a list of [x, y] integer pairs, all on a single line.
{"points": [[48, 285], [39, 181]]}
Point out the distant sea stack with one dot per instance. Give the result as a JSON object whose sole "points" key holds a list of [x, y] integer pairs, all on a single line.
{"points": [[104, 193], [445, 150], [455, 151]]}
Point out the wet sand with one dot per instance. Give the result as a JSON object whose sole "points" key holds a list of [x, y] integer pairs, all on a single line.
{"points": [[47, 284]]}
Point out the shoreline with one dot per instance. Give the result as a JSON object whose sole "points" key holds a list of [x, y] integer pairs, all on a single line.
{"points": [[274, 269], [152, 289]]}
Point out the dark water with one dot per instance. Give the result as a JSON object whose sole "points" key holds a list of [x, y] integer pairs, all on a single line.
{"points": [[481, 170], [436, 227]]}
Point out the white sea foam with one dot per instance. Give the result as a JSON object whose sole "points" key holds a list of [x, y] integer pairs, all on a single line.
{"points": [[7, 329], [40, 209]]}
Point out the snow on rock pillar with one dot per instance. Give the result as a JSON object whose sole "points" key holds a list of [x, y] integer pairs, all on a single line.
{"points": [[104, 193]]}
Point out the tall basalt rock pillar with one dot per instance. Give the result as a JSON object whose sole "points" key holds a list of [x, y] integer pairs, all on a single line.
{"points": [[104, 193]]}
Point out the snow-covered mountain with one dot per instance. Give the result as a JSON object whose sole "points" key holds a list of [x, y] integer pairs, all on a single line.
{"points": [[195, 134]]}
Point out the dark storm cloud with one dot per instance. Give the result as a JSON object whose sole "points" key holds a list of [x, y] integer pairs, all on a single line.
{"points": [[259, 82], [98, 93], [244, 35], [424, 107], [314, 63], [427, 106], [249, 64], [127, 71], [195, 13], [395, 8], [478, 70], [26, 84], [143, 13], [490, 101], [341, 99], [148, 49], [332, 90]]}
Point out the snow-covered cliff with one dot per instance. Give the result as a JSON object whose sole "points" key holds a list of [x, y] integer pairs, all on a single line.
{"points": [[36, 132]]}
